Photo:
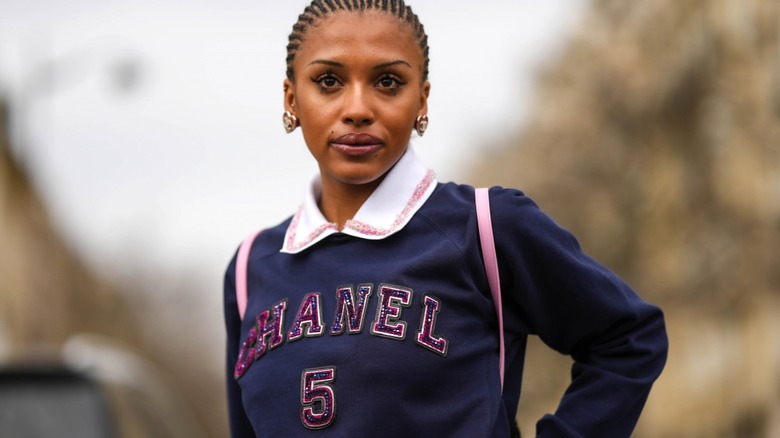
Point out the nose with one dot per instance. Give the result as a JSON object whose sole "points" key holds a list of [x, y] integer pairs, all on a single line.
{"points": [[357, 107]]}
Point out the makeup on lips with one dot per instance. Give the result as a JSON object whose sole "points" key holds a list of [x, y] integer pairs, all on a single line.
{"points": [[355, 144]]}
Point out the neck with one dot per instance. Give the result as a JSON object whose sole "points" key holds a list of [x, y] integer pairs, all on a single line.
{"points": [[340, 201]]}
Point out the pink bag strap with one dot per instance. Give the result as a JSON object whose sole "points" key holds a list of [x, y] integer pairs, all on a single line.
{"points": [[242, 262], [491, 267]]}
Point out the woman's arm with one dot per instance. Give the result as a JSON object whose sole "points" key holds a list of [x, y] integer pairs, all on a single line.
{"points": [[579, 308], [239, 423]]}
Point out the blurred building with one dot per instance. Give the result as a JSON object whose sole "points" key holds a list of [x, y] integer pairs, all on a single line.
{"points": [[69, 343]]}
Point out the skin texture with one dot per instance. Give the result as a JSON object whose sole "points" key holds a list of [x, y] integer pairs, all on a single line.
{"points": [[356, 73]]}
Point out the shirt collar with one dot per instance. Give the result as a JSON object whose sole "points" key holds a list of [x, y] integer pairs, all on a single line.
{"points": [[389, 208]]}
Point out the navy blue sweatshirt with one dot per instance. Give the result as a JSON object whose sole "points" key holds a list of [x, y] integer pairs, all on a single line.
{"points": [[398, 337]]}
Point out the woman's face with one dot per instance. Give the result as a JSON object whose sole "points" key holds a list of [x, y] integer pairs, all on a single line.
{"points": [[358, 89]]}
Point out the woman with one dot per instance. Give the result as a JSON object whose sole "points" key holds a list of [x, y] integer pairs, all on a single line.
{"points": [[369, 311]]}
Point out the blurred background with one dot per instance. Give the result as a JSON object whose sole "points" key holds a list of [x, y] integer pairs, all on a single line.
{"points": [[141, 141]]}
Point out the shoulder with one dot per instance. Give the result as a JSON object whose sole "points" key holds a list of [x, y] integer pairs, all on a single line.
{"points": [[454, 192], [518, 217], [451, 198], [511, 208], [452, 210], [514, 214]]}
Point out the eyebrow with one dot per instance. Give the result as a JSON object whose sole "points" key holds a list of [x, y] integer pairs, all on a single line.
{"points": [[392, 63], [326, 62], [376, 67]]}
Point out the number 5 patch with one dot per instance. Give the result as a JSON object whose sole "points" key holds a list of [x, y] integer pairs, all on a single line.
{"points": [[317, 397]]}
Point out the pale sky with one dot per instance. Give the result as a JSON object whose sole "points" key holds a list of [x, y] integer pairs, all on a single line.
{"points": [[178, 171]]}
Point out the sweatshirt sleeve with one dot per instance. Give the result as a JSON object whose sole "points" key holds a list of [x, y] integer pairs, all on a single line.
{"points": [[578, 307], [239, 423]]}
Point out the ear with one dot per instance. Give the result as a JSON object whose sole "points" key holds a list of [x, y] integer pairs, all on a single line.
{"points": [[425, 90], [289, 96]]}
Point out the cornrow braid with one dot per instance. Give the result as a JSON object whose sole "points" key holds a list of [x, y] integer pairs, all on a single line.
{"points": [[318, 9]]}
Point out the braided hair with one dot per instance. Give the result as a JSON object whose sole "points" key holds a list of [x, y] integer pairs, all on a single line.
{"points": [[319, 9]]}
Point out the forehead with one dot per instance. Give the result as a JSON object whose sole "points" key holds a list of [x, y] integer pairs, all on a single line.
{"points": [[355, 35]]}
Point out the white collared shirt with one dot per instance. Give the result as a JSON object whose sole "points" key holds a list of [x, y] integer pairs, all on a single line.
{"points": [[389, 208]]}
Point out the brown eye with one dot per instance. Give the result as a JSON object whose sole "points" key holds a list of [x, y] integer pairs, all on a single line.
{"points": [[389, 82], [327, 81]]}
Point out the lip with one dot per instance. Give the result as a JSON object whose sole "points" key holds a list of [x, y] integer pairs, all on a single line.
{"points": [[357, 144]]}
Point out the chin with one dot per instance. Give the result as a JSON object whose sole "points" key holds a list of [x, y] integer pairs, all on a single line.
{"points": [[359, 175], [362, 180]]}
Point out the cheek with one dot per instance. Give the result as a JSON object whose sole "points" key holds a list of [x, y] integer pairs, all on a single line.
{"points": [[315, 116], [401, 110]]}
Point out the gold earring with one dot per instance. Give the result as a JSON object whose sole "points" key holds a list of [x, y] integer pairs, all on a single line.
{"points": [[290, 122], [421, 124]]}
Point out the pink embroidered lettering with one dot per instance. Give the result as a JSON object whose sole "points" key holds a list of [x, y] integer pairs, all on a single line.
{"points": [[425, 337], [347, 308], [272, 329], [318, 398], [349, 315], [308, 322], [388, 311], [246, 355]]}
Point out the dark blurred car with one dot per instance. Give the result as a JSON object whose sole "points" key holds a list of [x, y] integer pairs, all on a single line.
{"points": [[91, 387], [52, 401]]}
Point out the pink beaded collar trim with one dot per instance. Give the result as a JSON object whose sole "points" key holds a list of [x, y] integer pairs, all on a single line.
{"points": [[291, 245], [402, 217], [358, 226]]}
